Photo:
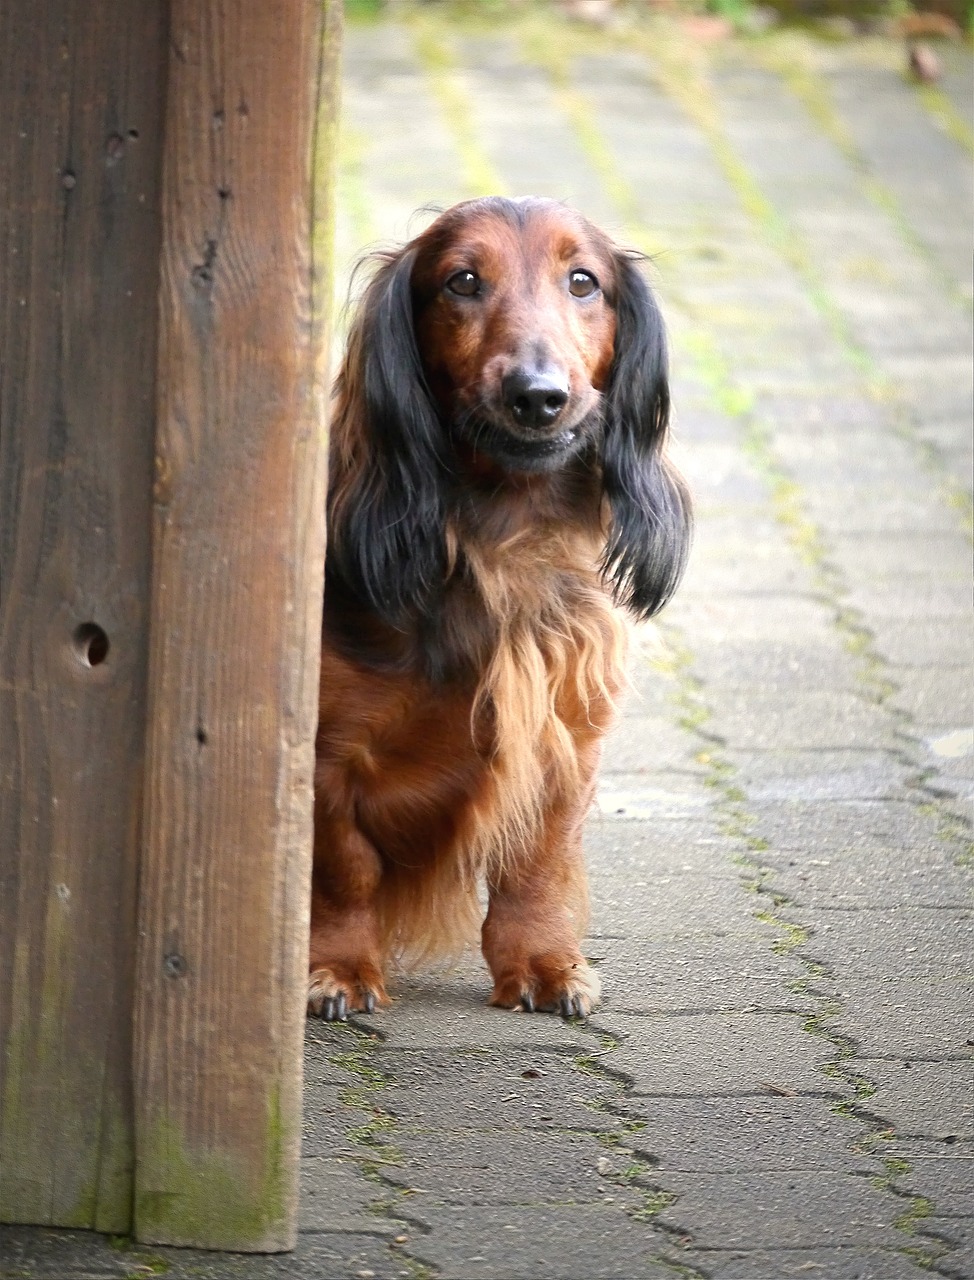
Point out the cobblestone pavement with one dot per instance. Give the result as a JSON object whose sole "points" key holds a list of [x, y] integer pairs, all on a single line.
{"points": [[779, 1082]]}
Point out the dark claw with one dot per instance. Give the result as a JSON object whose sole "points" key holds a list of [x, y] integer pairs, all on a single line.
{"points": [[334, 1008], [527, 1002], [370, 1002], [567, 1007]]}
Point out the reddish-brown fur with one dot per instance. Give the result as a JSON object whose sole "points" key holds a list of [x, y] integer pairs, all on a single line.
{"points": [[434, 779]]}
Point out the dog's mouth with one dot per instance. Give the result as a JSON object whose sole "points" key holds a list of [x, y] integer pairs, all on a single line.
{"points": [[516, 452], [519, 450]]}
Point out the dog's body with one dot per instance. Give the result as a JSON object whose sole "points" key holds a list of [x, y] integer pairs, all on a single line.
{"points": [[497, 484]]}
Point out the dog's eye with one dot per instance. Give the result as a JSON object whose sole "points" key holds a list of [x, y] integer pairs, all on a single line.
{"points": [[582, 284], [464, 283]]}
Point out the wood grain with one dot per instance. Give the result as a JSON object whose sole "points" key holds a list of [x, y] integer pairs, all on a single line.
{"points": [[238, 548], [80, 142]]}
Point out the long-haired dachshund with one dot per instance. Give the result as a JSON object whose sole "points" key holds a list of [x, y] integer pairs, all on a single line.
{"points": [[498, 489]]}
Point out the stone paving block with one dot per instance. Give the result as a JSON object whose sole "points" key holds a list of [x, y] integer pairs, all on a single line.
{"points": [[874, 468], [335, 1196], [719, 477], [756, 571], [948, 439], [958, 1234], [748, 557], [933, 697], [941, 1172], [866, 557], [909, 942], [639, 850], [940, 642], [802, 424], [767, 1211], [846, 880], [480, 1088], [780, 618], [702, 972], [513, 1242], [920, 1099], [721, 1054], [320, 1067], [668, 795], [959, 807], [636, 119], [951, 755], [658, 906], [814, 1260], [737, 661], [63, 1255], [30, 1254], [409, 167], [942, 396], [851, 448], [503, 90], [909, 597], [647, 743], [696, 423], [445, 1010], [777, 775], [958, 80], [848, 511], [900, 332], [326, 1117], [913, 158], [750, 1135], [805, 719], [907, 1018], [665, 845], [863, 828], [768, 126], [527, 1170]]}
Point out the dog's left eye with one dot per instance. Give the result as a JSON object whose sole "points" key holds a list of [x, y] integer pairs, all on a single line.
{"points": [[464, 283], [582, 284]]}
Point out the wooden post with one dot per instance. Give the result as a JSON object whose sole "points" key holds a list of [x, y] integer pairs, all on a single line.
{"points": [[161, 385], [81, 91], [238, 544]]}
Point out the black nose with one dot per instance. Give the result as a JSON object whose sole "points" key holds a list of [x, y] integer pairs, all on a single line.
{"points": [[535, 397]]}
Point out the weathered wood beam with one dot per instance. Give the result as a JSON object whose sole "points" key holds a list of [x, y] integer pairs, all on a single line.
{"points": [[81, 94], [236, 612]]}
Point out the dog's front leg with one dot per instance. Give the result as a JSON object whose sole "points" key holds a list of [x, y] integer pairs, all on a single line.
{"points": [[346, 960], [538, 911]]}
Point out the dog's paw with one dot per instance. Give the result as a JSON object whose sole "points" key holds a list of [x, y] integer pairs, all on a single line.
{"points": [[546, 984], [336, 991]]}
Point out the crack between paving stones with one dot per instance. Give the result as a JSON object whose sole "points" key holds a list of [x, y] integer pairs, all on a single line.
{"points": [[641, 1174], [757, 877], [366, 1146]]}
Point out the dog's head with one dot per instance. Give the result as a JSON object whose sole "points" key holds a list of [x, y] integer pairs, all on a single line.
{"points": [[514, 317], [516, 331]]}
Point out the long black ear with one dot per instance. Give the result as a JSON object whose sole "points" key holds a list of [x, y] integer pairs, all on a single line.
{"points": [[649, 534], [386, 490]]}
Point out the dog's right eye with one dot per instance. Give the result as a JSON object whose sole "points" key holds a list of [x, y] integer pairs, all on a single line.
{"points": [[464, 283]]}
